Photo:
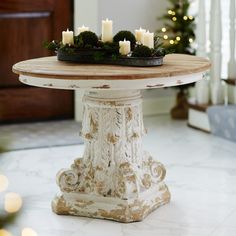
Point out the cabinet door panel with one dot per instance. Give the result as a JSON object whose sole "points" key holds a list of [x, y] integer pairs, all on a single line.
{"points": [[24, 26]]}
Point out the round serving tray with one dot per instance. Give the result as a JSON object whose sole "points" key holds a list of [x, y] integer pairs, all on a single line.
{"points": [[88, 57]]}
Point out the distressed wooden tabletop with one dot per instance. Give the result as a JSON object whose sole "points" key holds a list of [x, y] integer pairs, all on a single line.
{"points": [[50, 67]]}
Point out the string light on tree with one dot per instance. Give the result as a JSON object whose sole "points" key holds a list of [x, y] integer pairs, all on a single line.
{"points": [[172, 41], [170, 12], [190, 17], [178, 38], [165, 36], [191, 40], [163, 29], [174, 18], [185, 18]]}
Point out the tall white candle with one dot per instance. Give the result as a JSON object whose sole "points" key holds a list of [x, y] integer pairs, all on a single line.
{"points": [[139, 35], [82, 29], [107, 31], [124, 47], [67, 37], [148, 39]]}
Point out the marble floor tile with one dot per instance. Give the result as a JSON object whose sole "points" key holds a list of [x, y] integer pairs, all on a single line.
{"points": [[201, 175]]}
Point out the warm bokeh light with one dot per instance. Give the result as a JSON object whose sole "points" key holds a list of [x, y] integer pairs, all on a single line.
{"points": [[13, 202], [190, 17], [185, 17], [173, 13], [3, 183], [170, 12], [3, 232], [172, 41], [178, 38], [28, 232], [163, 29], [165, 36], [190, 40], [174, 18]]}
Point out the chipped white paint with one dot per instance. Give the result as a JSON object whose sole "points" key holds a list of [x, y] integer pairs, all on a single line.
{"points": [[92, 84], [116, 179]]}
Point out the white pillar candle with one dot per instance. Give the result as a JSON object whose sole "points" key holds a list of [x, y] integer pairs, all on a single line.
{"points": [[107, 32], [124, 47], [148, 39], [139, 35], [82, 29], [67, 37]]}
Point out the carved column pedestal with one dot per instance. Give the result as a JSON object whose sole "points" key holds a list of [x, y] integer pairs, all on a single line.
{"points": [[115, 179]]}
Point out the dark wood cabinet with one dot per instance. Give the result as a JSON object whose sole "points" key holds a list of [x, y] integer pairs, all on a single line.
{"points": [[24, 26]]}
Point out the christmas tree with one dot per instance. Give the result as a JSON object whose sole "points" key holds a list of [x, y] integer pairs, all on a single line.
{"points": [[178, 30], [178, 37]]}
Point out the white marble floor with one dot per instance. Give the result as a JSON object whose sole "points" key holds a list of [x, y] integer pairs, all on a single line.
{"points": [[201, 175]]}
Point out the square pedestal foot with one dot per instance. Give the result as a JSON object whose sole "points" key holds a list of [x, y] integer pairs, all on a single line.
{"points": [[116, 209]]}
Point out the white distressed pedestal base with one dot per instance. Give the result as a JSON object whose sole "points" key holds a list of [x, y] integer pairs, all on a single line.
{"points": [[115, 179]]}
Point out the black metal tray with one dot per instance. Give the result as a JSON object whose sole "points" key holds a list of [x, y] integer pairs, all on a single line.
{"points": [[84, 56]]}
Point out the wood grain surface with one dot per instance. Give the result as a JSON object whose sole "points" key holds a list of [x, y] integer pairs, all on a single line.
{"points": [[50, 67]]}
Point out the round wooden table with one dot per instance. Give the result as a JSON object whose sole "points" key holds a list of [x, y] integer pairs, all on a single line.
{"points": [[115, 179]]}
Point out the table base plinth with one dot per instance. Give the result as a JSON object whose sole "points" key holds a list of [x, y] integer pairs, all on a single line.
{"points": [[115, 179], [112, 208]]}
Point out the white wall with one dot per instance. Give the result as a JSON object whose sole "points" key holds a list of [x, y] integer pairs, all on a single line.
{"points": [[126, 14], [130, 15]]}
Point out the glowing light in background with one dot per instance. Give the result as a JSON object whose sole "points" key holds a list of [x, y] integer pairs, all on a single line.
{"points": [[185, 18], [3, 183], [3, 232], [174, 18], [13, 202], [178, 38], [191, 40], [172, 41], [28, 232]]}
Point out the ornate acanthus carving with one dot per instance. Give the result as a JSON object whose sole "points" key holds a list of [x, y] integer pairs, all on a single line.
{"points": [[114, 163]]}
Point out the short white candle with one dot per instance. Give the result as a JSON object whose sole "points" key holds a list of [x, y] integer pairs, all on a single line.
{"points": [[67, 37], [139, 34], [148, 39], [107, 31], [82, 29], [124, 47]]}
